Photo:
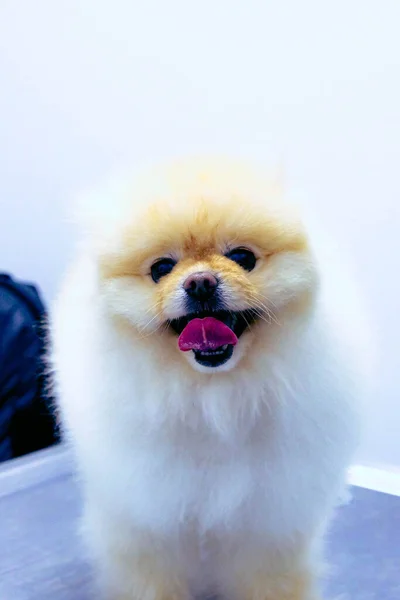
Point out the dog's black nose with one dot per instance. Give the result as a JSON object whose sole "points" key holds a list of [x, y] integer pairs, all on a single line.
{"points": [[201, 286]]}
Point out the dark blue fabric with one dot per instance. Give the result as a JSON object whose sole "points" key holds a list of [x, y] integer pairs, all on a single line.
{"points": [[26, 422]]}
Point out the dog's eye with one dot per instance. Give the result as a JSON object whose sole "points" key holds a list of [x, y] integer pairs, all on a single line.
{"points": [[161, 268], [243, 257]]}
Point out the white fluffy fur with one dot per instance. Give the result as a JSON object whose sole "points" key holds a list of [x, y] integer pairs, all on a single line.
{"points": [[209, 476]]}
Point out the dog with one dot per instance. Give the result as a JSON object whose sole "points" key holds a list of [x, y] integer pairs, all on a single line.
{"points": [[209, 368]]}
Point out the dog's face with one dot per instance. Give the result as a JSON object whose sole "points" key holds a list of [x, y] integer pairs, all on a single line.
{"points": [[207, 265]]}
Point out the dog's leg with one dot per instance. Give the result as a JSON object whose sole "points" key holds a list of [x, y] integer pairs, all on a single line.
{"points": [[132, 565], [285, 586], [270, 574], [137, 576]]}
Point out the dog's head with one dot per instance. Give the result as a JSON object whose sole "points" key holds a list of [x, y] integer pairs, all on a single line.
{"points": [[206, 260]]}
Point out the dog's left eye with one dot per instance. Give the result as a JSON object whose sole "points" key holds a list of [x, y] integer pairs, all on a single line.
{"points": [[243, 257], [161, 268]]}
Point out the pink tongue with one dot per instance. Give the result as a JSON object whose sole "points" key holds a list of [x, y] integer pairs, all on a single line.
{"points": [[206, 334]]}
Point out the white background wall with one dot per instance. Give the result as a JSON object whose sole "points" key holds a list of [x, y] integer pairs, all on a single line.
{"points": [[83, 86]]}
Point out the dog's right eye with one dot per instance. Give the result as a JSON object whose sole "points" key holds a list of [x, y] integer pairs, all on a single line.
{"points": [[161, 268]]}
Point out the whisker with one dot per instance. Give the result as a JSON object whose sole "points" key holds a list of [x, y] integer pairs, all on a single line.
{"points": [[146, 325], [268, 300], [263, 307], [244, 317]]}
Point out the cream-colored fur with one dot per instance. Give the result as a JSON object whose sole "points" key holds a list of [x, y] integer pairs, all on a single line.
{"points": [[199, 481]]}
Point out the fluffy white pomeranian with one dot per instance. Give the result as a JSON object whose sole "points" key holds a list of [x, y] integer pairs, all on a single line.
{"points": [[208, 364]]}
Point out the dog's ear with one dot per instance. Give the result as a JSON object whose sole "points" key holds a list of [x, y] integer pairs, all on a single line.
{"points": [[99, 212], [97, 207]]}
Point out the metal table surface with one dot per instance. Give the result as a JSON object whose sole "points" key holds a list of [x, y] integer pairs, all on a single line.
{"points": [[42, 557]]}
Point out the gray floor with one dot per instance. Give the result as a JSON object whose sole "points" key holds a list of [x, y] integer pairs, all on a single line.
{"points": [[41, 557]]}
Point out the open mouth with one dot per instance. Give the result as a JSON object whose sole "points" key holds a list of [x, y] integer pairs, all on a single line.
{"points": [[212, 335]]}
